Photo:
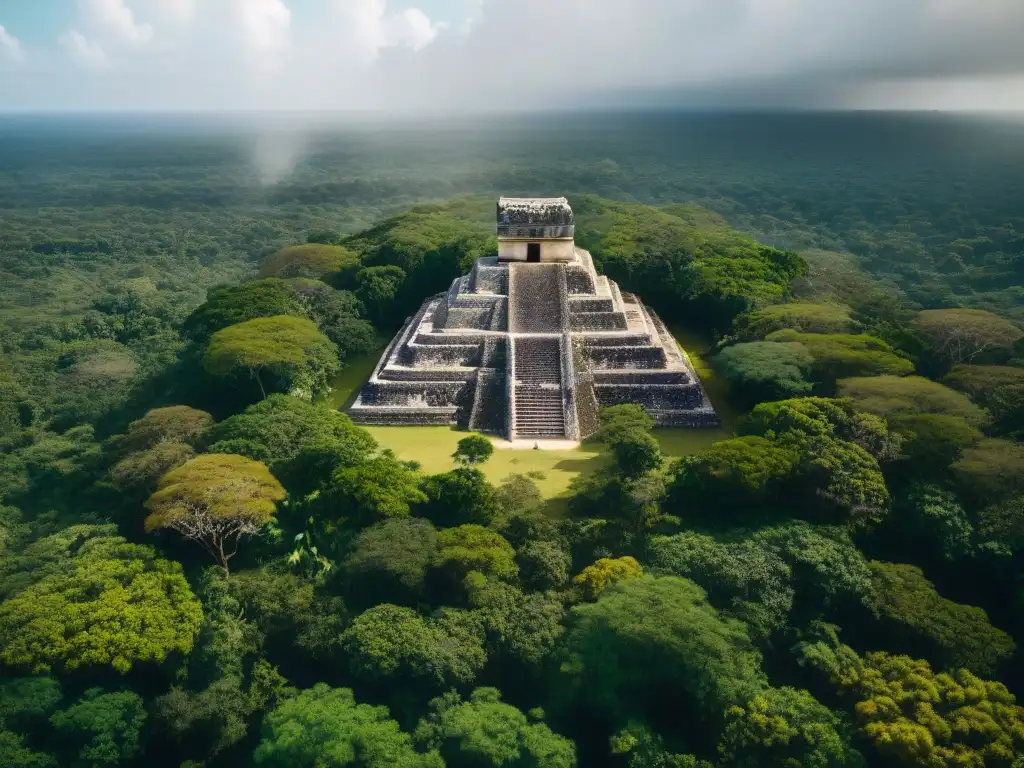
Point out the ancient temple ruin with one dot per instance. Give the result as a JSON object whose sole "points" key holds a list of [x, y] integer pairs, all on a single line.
{"points": [[531, 343]]}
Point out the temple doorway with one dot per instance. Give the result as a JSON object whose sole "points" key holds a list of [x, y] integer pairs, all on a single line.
{"points": [[533, 252]]}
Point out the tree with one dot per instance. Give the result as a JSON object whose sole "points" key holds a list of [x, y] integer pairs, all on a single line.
{"points": [[474, 548], [484, 732], [289, 350], [731, 473], [652, 645], [520, 629], [177, 424], [786, 727], [215, 500], [313, 260], [303, 443], [139, 472], [892, 396], [388, 561], [543, 564], [767, 370], [91, 598], [395, 645], [338, 315], [963, 335], [804, 316], [597, 577], [26, 702], [990, 472], [378, 288], [917, 717], [919, 618], [324, 727], [475, 449], [744, 578], [460, 496], [997, 388], [102, 728], [378, 488], [236, 304], [841, 355], [14, 753]]}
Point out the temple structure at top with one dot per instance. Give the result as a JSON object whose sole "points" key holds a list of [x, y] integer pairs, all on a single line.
{"points": [[531, 343]]}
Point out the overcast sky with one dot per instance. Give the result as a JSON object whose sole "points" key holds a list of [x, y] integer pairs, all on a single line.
{"points": [[473, 55]]}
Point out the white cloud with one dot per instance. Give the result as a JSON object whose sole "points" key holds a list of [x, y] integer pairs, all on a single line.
{"points": [[118, 19], [266, 32], [84, 52], [498, 54], [371, 29], [10, 48], [176, 11]]}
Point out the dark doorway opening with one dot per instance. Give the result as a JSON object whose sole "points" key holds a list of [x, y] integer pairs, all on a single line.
{"points": [[533, 252]]}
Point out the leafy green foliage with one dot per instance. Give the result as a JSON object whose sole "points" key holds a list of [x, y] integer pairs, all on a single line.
{"points": [[459, 497], [786, 727], [395, 645], [997, 388], [303, 443], [102, 728], [543, 564], [325, 727], [965, 335], [484, 732], [766, 370], [951, 634], [288, 351], [378, 288], [597, 577], [891, 396], [24, 701], [652, 643], [991, 472], [312, 260], [915, 716], [236, 304], [380, 487], [97, 600], [842, 355], [682, 269], [520, 629], [743, 579], [474, 548], [389, 560], [474, 449], [803, 316]]}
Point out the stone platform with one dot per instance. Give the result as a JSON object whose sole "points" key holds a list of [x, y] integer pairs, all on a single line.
{"points": [[530, 352]]}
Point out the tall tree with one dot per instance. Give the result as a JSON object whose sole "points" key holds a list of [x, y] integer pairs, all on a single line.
{"points": [[215, 500], [288, 351]]}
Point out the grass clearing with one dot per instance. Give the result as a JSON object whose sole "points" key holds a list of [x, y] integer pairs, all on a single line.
{"points": [[432, 447]]}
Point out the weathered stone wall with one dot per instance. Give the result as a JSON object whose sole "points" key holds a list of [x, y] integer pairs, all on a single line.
{"points": [[489, 405], [598, 321], [650, 396], [551, 251], [437, 356], [627, 357], [413, 394]]}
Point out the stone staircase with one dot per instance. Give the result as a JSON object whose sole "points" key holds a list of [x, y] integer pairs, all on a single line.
{"points": [[538, 389]]}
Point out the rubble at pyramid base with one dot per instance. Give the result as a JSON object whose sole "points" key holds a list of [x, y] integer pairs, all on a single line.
{"points": [[532, 351]]}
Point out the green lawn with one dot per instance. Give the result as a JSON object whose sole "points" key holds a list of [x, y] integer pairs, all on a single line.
{"points": [[432, 447]]}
